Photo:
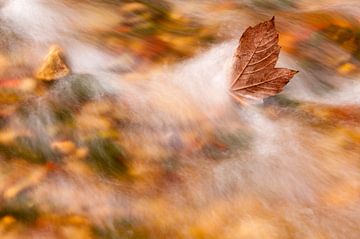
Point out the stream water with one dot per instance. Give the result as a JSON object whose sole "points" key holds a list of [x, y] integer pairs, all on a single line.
{"points": [[197, 164]]}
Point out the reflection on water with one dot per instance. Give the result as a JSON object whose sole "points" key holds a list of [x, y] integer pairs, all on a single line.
{"points": [[139, 138]]}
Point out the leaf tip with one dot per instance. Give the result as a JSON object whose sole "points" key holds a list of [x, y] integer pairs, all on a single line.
{"points": [[272, 20]]}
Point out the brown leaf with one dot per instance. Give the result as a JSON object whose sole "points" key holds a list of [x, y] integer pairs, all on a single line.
{"points": [[255, 76]]}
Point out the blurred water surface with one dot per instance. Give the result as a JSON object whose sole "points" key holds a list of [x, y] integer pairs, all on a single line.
{"points": [[115, 121]]}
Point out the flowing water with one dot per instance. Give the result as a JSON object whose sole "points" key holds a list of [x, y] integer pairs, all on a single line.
{"points": [[196, 164]]}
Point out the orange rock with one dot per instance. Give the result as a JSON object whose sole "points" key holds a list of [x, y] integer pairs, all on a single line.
{"points": [[53, 66]]}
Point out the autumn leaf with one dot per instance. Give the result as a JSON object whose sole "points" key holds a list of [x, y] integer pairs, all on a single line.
{"points": [[255, 76]]}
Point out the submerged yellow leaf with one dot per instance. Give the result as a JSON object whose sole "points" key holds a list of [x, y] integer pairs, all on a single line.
{"points": [[64, 147], [29, 181], [346, 68], [53, 66], [7, 136]]}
